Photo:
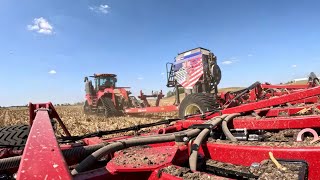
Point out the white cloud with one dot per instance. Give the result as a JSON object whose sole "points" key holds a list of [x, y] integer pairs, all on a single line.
{"points": [[230, 61], [294, 66], [41, 25], [249, 55], [140, 78], [52, 72], [103, 9], [227, 62], [162, 73]]}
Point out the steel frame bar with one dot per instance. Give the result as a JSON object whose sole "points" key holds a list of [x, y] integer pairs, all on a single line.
{"points": [[42, 157], [246, 155], [295, 96], [289, 111], [155, 109], [295, 86], [298, 122], [52, 114]]}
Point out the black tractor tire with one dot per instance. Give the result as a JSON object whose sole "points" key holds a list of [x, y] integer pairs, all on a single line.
{"points": [[110, 109], [196, 103], [15, 136]]}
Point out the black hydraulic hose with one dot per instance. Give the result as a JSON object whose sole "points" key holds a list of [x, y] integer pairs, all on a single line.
{"points": [[82, 151], [10, 146], [132, 128], [225, 128], [119, 145], [9, 163], [74, 153], [193, 159]]}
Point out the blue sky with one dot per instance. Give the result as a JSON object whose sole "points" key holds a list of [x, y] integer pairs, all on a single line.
{"points": [[47, 47]]}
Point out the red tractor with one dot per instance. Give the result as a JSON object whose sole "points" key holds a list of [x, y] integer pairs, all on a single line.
{"points": [[105, 98]]}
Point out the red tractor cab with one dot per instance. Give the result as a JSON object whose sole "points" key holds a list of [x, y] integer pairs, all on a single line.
{"points": [[104, 97]]}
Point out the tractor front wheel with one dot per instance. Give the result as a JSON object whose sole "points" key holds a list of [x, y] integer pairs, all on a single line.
{"points": [[196, 103]]}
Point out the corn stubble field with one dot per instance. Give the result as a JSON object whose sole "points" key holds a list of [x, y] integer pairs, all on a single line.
{"points": [[78, 123]]}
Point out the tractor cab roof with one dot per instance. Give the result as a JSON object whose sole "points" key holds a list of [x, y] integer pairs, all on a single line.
{"points": [[104, 75]]}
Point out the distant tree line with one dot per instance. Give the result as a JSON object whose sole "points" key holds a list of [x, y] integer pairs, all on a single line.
{"points": [[69, 104]]}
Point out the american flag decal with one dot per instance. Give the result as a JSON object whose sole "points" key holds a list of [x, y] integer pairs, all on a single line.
{"points": [[190, 70], [181, 75]]}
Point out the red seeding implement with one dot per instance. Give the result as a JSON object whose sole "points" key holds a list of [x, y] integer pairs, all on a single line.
{"points": [[271, 136], [197, 73]]}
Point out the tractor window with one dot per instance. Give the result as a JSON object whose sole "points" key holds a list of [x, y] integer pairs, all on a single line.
{"points": [[102, 82], [107, 82]]}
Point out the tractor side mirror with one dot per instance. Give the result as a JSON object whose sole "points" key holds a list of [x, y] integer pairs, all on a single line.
{"points": [[85, 79]]}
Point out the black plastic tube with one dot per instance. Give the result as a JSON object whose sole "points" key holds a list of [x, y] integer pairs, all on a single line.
{"points": [[193, 159], [225, 128], [74, 153], [119, 145]]}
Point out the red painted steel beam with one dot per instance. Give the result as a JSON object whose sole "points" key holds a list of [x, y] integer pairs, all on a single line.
{"points": [[309, 100], [246, 155], [295, 96], [53, 114], [294, 86], [273, 112], [42, 157], [33, 108], [275, 101], [298, 122], [158, 109]]}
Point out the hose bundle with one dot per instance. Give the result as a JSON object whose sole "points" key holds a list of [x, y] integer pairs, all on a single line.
{"points": [[138, 141], [224, 119]]}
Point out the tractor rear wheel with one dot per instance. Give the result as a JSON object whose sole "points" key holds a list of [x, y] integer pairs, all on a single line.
{"points": [[15, 136], [110, 109], [196, 103]]}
